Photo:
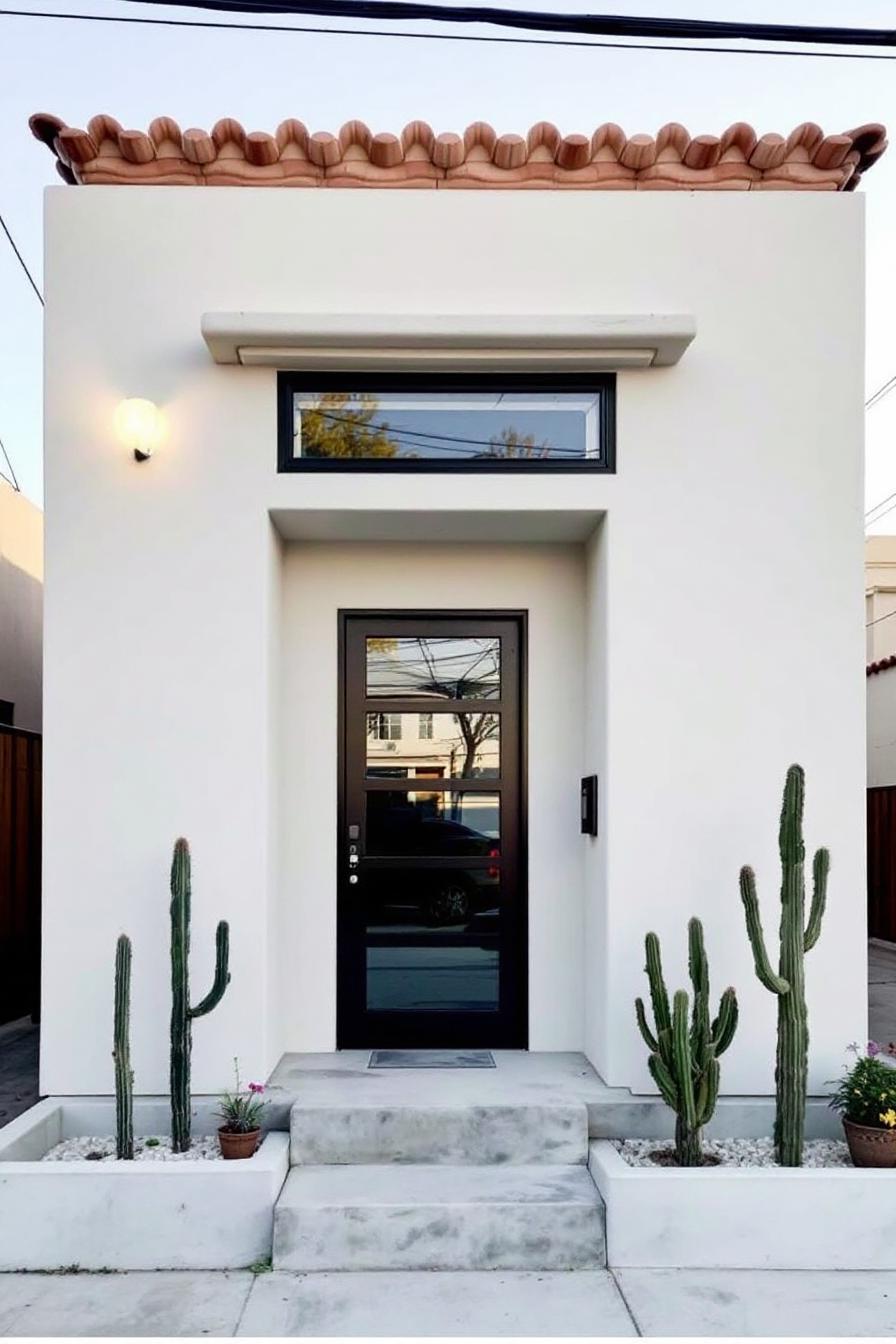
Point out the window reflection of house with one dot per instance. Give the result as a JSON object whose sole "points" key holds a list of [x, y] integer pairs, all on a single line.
{"points": [[433, 746]]}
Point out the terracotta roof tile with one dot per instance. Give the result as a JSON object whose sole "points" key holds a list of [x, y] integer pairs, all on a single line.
{"points": [[608, 160]]}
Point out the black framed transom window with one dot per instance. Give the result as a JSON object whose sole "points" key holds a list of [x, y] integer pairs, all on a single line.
{"points": [[446, 422]]}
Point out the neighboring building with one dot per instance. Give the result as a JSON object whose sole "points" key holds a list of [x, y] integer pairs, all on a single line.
{"points": [[880, 659], [880, 724], [21, 610], [550, 466]]}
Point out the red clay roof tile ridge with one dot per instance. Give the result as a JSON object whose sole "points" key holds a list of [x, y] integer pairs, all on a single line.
{"points": [[738, 159]]}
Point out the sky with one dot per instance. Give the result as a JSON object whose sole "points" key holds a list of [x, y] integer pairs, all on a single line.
{"points": [[77, 69]]}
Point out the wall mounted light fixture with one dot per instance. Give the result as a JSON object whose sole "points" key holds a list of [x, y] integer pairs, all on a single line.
{"points": [[139, 425]]}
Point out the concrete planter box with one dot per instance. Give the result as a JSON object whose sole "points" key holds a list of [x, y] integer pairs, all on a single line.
{"points": [[737, 1218], [131, 1215]]}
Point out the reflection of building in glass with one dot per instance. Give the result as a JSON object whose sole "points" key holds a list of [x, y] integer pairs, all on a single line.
{"points": [[433, 746]]}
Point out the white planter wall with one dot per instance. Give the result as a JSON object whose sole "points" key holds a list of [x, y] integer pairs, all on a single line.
{"points": [[723, 623], [130, 1215], [765, 1218]]}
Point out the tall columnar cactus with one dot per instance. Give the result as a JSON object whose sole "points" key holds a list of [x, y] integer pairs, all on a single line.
{"points": [[121, 1052], [181, 1013], [684, 1059], [797, 937]]}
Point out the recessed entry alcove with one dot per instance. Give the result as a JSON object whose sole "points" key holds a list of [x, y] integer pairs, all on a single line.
{"points": [[437, 703]]}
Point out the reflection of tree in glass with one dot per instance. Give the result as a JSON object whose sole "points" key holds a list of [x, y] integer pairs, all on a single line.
{"points": [[511, 443], [474, 728], [340, 426]]}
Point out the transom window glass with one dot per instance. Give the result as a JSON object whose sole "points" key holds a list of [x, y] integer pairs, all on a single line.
{"points": [[446, 667], [516, 422]]}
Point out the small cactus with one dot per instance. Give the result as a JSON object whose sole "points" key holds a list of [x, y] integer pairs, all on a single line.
{"points": [[797, 937], [121, 1053], [684, 1058], [182, 1014]]}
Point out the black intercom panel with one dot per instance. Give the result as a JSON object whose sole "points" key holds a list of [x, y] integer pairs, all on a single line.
{"points": [[589, 805]]}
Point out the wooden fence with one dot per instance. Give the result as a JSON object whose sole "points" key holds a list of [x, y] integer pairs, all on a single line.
{"points": [[20, 853]]}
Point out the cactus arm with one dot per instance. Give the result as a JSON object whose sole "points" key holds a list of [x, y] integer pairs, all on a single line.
{"points": [[222, 974], [121, 1053], [664, 1081], [659, 998], [698, 969], [776, 983], [682, 1051], [725, 1025], [649, 1039], [821, 866], [708, 1091]]}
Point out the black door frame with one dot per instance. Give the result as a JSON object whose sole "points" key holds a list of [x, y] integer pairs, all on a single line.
{"points": [[509, 1029]]}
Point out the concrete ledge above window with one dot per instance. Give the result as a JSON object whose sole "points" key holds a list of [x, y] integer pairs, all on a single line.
{"points": [[457, 342]]}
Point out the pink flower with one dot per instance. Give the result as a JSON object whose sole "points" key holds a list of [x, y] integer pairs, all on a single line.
{"points": [[256, 1087], [873, 1048]]}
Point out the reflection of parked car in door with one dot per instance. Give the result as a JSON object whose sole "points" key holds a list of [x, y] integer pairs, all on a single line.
{"points": [[440, 895], [437, 895], [407, 832]]}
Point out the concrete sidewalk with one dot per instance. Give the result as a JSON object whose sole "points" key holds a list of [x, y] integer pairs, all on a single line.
{"points": [[630, 1302]]}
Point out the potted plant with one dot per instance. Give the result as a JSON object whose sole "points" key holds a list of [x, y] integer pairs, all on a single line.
{"points": [[866, 1100], [241, 1112]]}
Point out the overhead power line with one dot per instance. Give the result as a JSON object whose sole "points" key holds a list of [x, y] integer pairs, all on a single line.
{"points": [[872, 521], [546, 21], [11, 478], [578, 43], [881, 392], [20, 259]]}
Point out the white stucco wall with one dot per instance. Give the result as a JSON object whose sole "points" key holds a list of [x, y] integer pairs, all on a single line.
{"points": [[21, 606], [722, 594]]}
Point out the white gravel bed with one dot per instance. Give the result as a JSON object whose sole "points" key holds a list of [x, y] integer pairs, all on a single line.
{"points": [[736, 1152], [152, 1148]]}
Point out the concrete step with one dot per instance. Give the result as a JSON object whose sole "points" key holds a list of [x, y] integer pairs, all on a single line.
{"points": [[459, 1134], [537, 1217]]}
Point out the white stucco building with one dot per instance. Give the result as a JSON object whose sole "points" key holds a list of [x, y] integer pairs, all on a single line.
{"points": [[550, 466]]}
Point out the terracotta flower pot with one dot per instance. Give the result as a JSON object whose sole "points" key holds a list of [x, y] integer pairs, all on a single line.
{"points": [[238, 1145], [870, 1146]]}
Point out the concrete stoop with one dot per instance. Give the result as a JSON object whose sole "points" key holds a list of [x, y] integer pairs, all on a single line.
{"points": [[439, 1187], [439, 1217], [457, 1135]]}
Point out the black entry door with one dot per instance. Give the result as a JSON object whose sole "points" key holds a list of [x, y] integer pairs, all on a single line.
{"points": [[432, 913]]}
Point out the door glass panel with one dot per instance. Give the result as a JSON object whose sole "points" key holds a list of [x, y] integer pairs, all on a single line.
{"points": [[433, 746], [433, 823], [447, 667], [432, 939]]}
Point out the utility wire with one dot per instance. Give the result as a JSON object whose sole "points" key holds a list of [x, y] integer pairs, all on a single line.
{"points": [[444, 37], [881, 392], [875, 507], [607, 25], [880, 515], [12, 476], [21, 260], [877, 620]]}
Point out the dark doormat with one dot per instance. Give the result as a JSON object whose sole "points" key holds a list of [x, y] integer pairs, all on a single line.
{"points": [[431, 1059]]}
